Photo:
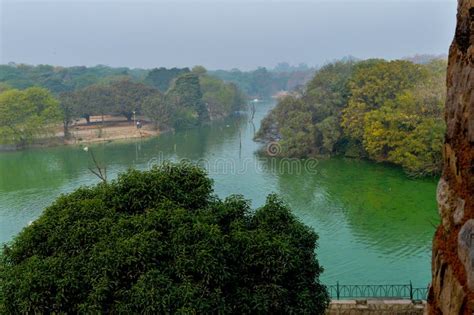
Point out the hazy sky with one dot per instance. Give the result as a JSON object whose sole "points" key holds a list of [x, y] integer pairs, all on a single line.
{"points": [[224, 34]]}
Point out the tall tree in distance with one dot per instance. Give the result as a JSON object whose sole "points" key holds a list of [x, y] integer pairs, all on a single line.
{"points": [[161, 78], [69, 106], [96, 99], [161, 112], [128, 96], [186, 94]]}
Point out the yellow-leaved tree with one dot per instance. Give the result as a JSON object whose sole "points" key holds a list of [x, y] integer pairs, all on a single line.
{"points": [[27, 114]]}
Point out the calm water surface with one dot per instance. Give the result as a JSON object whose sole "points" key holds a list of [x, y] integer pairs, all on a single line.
{"points": [[375, 224]]}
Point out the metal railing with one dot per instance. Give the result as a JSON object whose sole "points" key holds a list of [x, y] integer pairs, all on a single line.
{"points": [[390, 291]]}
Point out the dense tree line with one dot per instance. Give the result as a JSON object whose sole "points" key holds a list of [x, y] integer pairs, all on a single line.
{"points": [[62, 79], [263, 83], [388, 111], [161, 78], [173, 98], [160, 242], [193, 98]]}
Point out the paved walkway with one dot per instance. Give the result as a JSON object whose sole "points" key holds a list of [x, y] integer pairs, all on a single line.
{"points": [[376, 306]]}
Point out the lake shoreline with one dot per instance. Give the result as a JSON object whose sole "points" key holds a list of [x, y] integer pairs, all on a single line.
{"points": [[56, 142], [113, 131], [89, 134]]}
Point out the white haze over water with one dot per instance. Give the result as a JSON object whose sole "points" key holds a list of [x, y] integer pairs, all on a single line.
{"points": [[220, 35]]}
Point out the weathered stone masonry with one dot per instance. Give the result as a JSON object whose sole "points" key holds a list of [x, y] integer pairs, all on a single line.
{"points": [[452, 289]]}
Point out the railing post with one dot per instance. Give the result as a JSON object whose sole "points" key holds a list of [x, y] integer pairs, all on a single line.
{"points": [[411, 291], [337, 289]]}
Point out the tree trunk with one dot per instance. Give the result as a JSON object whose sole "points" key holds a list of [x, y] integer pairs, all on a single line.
{"points": [[66, 130]]}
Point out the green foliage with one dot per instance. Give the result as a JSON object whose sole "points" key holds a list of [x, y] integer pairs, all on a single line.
{"points": [[221, 99], [160, 242], [67, 103], [161, 78], [386, 111], [396, 113], [408, 131], [372, 84], [262, 83], [61, 79], [95, 99], [309, 125], [199, 70], [330, 133], [190, 98], [121, 97], [159, 111], [26, 115], [186, 95], [4, 87], [295, 126], [128, 96]]}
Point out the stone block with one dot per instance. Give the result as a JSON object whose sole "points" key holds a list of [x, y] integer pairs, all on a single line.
{"points": [[466, 250]]}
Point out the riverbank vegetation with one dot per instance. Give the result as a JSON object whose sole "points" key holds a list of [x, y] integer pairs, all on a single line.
{"points": [[387, 111], [168, 98], [160, 241]]}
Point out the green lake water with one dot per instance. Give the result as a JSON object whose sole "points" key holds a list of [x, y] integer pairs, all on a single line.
{"points": [[375, 224]]}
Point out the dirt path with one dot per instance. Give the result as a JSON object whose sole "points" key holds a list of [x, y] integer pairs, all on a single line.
{"points": [[113, 128]]}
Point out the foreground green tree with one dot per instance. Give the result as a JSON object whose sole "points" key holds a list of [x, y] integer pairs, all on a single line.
{"points": [[160, 242], [26, 115]]}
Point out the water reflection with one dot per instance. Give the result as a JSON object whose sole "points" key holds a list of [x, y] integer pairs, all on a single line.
{"points": [[376, 201]]}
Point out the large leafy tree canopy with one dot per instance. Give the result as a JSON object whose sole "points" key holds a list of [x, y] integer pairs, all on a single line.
{"points": [[161, 78], [389, 111], [372, 84], [27, 114], [160, 112], [186, 95], [221, 98], [160, 242], [309, 124], [122, 97], [128, 96]]}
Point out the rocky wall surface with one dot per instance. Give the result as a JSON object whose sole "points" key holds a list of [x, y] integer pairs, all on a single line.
{"points": [[452, 288]]}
